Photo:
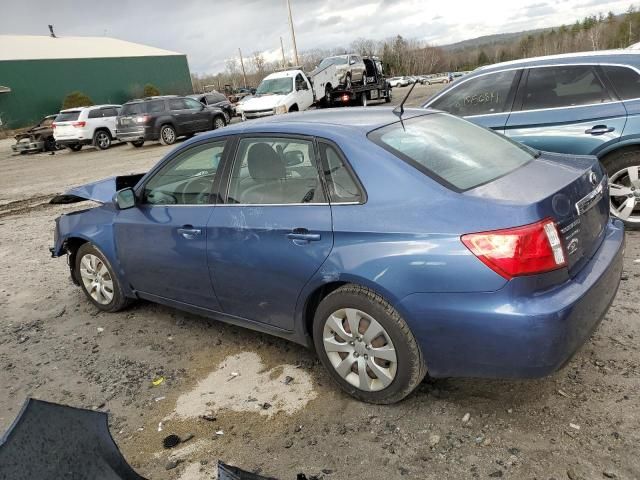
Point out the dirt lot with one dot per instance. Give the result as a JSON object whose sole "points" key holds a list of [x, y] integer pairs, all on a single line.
{"points": [[268, 404]]}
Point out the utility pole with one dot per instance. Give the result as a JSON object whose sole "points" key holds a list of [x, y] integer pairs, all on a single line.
{"points": [[293, 33], [284, 61], [244, 75]]}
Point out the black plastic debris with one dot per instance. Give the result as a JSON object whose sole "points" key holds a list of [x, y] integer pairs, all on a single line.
{"points": [[227, 472], [48, 441], [171, 441]]}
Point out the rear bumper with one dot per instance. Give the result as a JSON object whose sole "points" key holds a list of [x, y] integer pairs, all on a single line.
{"points": [[516, 332], [133, 135], [74, 141]]}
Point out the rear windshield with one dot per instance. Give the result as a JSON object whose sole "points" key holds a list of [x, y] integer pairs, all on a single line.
{"points": [[68, 116], [454, 151]]}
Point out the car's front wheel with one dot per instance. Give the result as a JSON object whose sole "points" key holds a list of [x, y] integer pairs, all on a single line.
{"points": [[98, 280], [218, 122], [623, 169], [367, 346]]}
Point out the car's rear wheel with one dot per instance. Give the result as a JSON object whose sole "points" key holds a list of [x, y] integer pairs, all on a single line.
{"points": [[98, 280], [102, 139], [138, 143], [367, 346], [167, 135], [623, 169], [76, 147], [218, 122], [347, 82]]}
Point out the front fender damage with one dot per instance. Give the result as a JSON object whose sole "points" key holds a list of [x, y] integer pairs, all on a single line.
{"points": [[101, 191]]}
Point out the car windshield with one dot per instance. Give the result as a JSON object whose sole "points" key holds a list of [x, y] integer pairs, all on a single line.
{"points": [[71, 116], [457, 152], [275, 86], [332, 61]]}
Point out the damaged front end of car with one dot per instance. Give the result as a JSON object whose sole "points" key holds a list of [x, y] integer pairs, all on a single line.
{"points": [[28, 143], [94, 224]]}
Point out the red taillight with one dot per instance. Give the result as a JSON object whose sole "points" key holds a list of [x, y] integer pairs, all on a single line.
{"points": [[526, 250], [142, 118], [79, 124], [53, 126]]}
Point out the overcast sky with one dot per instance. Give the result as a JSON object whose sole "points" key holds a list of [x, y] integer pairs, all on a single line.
{"points": [[211, 31]]}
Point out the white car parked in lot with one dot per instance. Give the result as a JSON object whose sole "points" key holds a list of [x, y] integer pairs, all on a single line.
{"points": [[398, 82], [278, 93], [95, 125]]}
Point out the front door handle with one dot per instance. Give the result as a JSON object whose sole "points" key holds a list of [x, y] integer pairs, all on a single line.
{"points": [[188, 232], [599, 130], [302, 235]]}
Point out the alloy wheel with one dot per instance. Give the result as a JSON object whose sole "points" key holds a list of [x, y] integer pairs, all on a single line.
{"points": [[96, 279], [218, 123], [168, 135], [624, 191], [360, 349], [103, 140]]}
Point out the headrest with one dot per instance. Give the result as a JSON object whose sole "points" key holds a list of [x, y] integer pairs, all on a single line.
{"points": [[264, 164]]}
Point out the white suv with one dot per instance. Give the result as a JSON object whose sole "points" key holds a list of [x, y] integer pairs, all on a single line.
{"points": [[96, 125]]}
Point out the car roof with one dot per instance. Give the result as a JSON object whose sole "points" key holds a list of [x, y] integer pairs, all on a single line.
{"points": [[89, 107], [624, 57], [356, 119]]}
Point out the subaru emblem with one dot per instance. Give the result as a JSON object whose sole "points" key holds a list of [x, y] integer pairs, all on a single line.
{"points": [[593, 178]]}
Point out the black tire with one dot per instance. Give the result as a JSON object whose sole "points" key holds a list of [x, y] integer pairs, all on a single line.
{"points": [[167, 135], [327, 95], [102, 139], [363, 99], [119, 301], [411, 368], [347, 81], [138, 143], [615, 165], [387, 99], [294, 108], [50, 144], [76, 147], [218, 122]]}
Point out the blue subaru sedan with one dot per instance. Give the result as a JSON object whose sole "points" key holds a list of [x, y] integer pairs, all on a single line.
{"points": [[581, 104], [395, 245]]}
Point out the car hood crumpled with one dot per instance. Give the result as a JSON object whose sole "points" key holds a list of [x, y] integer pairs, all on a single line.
{"points": [[101, 191]]}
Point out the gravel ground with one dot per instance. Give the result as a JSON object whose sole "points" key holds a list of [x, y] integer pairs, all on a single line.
{"points": [[267, 405]]}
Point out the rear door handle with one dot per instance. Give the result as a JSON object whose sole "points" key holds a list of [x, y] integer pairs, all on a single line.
{"points": [[188, 232], [304, 235], [599, 130]]}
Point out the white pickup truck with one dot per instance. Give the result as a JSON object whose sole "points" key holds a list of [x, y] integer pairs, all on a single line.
{"points": [[278, 93]]}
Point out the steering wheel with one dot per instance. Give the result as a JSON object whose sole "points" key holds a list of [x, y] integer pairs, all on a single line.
{"points": [[197, 184]]}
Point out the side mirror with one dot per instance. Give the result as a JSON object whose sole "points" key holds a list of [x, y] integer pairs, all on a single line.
{"points": [[125, 198], [293, 158]]}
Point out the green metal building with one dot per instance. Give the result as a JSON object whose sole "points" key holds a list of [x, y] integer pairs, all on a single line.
{"points": [[37, 72]]}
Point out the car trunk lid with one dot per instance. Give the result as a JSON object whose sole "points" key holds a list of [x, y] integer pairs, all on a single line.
{"points": [[572, 190]]}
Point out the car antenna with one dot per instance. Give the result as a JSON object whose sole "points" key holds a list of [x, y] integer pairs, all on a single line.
{"points": [[399, 110]]}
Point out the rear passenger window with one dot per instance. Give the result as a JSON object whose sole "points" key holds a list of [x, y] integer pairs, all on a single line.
{"points": [[626, 81], [177, 104], [270, 171], [97, 113], [552, 87], [155, 106], [341, 184], [478, 96]]}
